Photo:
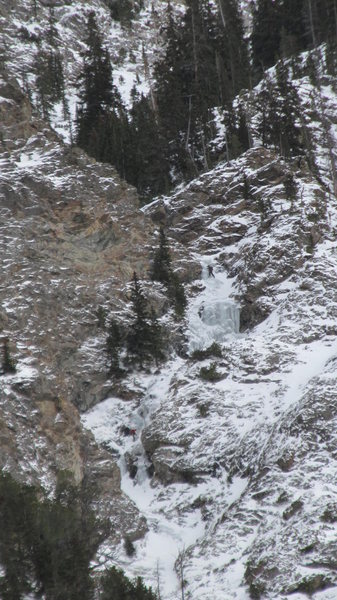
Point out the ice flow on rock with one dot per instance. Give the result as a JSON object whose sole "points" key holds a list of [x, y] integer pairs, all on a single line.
{"points": [[212, 316]]}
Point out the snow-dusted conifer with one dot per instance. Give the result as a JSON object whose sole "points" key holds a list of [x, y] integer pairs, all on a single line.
{"points": [[113, 347], [8, 364], [161, 267], [144, 331]]}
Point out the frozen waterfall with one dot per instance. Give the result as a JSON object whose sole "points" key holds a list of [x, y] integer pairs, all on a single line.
{"points": [[212, 316]]}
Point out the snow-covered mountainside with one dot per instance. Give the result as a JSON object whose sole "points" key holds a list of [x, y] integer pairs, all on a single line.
{"points": [[25, 35], [227, 486], [243, 462]]}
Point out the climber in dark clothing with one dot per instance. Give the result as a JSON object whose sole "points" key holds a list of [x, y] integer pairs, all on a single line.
{"points": [[127, 431], [210, 271]]}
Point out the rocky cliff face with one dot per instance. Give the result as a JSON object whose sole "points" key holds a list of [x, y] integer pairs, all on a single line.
{"points": [[269, 417], [239, 438], [72, 234]]}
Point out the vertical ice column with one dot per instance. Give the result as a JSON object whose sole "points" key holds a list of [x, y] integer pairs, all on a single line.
{"points": [[212, 316]]}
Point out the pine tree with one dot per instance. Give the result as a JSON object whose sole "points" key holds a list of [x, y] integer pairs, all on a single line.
{"points": [[161, 267], [113, 347], [98, 95], [293, 30], [8, 364], [168, 89], [266, 34], [237, 135], [48, 67], [204, 66], [289, 132], [144, 331], [148, 166], [279, 109], [122, 10], [102, 123], [236, 47], [177, 294], [162, 271], [156, 345], [115, 585]]}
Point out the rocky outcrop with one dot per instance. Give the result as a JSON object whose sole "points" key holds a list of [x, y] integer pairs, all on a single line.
{"points": [[245, 213], [71, 236]]}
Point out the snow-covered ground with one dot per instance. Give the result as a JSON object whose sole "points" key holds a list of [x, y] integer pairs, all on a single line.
{"points": [[246, 415], [171, 532]]}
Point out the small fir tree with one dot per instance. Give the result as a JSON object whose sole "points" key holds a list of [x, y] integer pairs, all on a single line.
{"points": [[144, 332], [156, 338], [161, 268], [8, 364], [114, 584], [162, 271], [177, 294], [113, 348]]}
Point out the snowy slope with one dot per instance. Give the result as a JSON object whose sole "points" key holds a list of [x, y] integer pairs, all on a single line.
{"points": [[244, 467]]}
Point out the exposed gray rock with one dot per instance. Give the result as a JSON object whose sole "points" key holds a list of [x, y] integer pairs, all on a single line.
{"points": [[71, 237]]}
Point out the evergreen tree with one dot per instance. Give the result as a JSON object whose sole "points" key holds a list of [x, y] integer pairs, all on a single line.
{"points": [[288, 109], [237, 136], [49, 79], [144, 332], [148, 166], [236, 47], [48, 66], [293, 29], [168, 90], [156, 338], [8, 364], [279, 107], [162, 271], [161, 267], [113, 347], [98, 96], [122, 10], [115, 586], [205, 65], [266, 35], [103, 129], [45, 546], [177, 294]]}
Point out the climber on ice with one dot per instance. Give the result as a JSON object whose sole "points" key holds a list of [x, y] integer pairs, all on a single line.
{"points": [[210, 271], [127, 431]]}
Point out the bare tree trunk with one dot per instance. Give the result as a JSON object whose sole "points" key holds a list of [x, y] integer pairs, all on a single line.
{"points": [[149, 81], [195, 54], [218, 71], [312, 28], [335, 13], [222, 13], [204, 151], [188, 133], [326, 127], [226, 144]]}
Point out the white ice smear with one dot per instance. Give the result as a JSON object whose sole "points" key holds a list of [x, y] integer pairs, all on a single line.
{"points": [[212, 316]]}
